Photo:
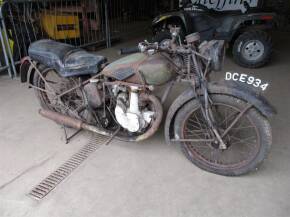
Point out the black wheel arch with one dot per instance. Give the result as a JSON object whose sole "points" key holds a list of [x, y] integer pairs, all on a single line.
{"points": [[259, 21], [229, 88], [166, 19], [27, 71]]}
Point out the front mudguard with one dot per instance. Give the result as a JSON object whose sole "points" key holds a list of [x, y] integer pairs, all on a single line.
{"points": [[231, 89]]}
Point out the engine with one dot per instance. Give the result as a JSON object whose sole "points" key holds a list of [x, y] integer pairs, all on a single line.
{"points": [[127, 110]]}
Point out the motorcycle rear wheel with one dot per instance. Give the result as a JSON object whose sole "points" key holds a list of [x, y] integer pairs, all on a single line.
{"points": [[74, 103], [248, 142]]}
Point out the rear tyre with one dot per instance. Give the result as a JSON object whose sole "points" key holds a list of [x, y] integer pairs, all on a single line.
{"points": [[253, 49], [248, 142], [73, 104]]}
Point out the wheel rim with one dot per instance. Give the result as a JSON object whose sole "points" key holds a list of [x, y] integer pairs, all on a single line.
{"points": [[253, 50], [243, 141]]}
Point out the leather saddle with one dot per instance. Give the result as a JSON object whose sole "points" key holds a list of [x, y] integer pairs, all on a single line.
{"points": [[66, 59]]}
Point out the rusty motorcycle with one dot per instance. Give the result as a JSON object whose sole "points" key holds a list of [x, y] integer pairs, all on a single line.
{"points": [[221, 128]]}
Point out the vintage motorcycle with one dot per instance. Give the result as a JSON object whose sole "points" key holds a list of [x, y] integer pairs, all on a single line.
{"points": [[221, 128]]}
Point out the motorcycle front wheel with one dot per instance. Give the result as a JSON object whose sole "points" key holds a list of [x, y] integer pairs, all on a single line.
{"points": [[248, 142]]}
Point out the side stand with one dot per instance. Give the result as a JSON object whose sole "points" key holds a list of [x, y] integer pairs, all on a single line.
{"points": [[68, 138]]}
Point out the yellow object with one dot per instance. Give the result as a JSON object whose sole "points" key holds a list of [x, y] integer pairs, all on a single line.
{"points": [[62, 26], [11, 42], [163, 18]]}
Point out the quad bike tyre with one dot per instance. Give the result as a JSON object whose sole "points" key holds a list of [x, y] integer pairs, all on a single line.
{"points": [[239, 158], [252, 49]]}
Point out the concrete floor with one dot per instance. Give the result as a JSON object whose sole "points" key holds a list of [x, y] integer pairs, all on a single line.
{"points": [[148, 179]]}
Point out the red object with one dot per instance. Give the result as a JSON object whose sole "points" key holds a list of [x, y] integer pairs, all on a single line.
{"points": [[267, 17], [24, 59]]}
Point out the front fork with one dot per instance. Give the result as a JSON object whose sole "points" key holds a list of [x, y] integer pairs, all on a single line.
{"points": [[208, 116], [210, 120], [205, 107]]}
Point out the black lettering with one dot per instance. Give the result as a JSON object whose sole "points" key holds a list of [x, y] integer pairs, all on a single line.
{"points": [[217, 5], [224, 3]]}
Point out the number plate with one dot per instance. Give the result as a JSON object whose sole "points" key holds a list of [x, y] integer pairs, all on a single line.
{"points": [[244, 78]]}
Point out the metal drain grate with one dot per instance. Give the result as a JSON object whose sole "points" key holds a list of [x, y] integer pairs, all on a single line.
{"points": [[50, 182]]}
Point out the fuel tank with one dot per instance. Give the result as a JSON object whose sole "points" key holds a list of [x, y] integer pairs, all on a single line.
{"points": [[141, 68]]}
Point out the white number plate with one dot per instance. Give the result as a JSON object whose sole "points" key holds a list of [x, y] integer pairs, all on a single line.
{"points": [[256, 82]]}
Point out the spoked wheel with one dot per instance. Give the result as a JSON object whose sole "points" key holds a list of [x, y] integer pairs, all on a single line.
{"points": [[247, 143], [73, 103]]}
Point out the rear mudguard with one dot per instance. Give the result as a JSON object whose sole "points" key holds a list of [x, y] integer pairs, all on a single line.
{"points": [[230, 89], [26, 71]]}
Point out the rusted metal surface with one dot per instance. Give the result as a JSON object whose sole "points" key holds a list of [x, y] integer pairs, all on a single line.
{"points": [[61, 119], [135, 79], [168, 88], [236, 120], [242, 143], [158, 116], [156, 70], [258, 101], [128, 84], [131, 61], [129, 111], [149, 69], [93, 95], [27, 76], [78, 124], [72, 122]]}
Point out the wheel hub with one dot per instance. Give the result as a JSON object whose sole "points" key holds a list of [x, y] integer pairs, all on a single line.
{"points": [[215, 144], [253, 50]]}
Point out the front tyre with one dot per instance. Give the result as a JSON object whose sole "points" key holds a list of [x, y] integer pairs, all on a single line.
{"points": [[253, 49], [248, 142]]}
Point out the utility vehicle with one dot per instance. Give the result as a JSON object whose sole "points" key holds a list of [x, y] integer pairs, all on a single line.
{"points": [[246, 32]]}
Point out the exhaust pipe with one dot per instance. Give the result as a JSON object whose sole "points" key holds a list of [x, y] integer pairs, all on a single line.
{"points": [[71, 122]]}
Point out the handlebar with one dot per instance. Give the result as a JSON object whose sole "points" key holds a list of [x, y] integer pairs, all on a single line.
{"points": [[172, 47], [129, 50], [152, 47], [142, 47]]}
